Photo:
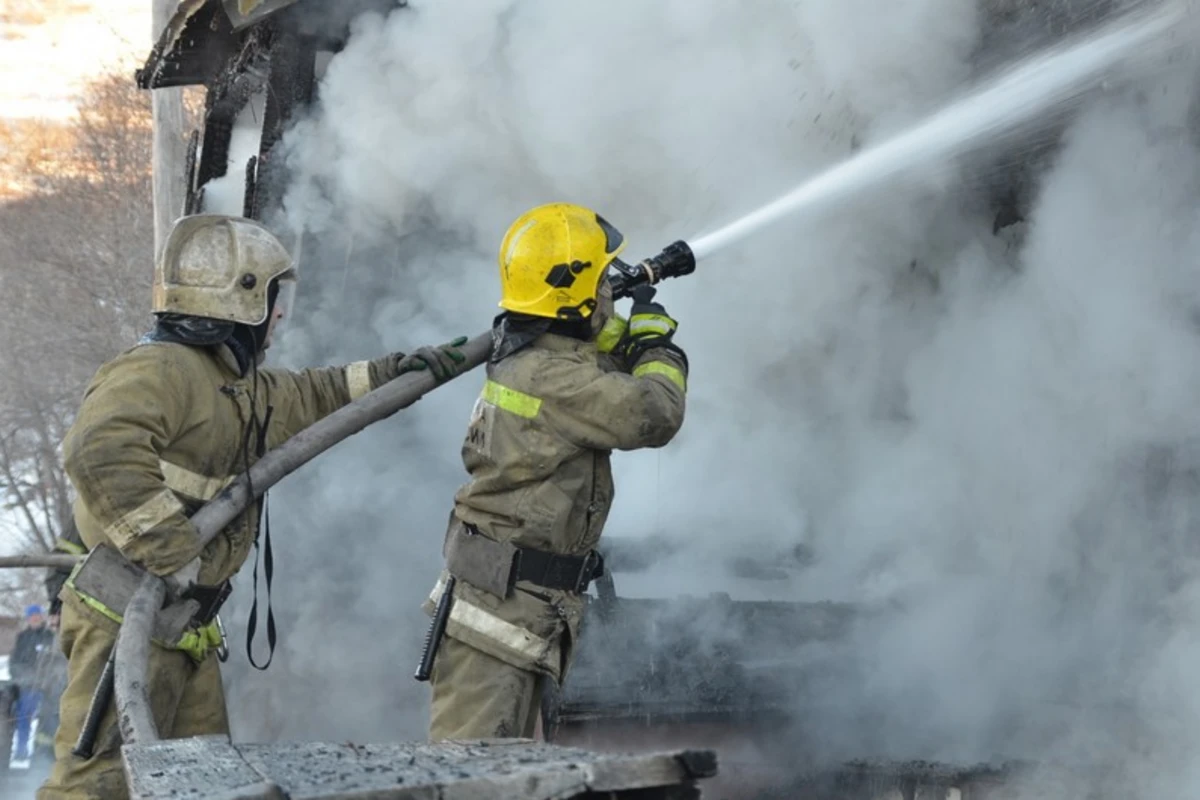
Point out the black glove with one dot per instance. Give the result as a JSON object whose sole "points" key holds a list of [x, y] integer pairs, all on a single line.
{"points": [[649, 325], [442, 360]]}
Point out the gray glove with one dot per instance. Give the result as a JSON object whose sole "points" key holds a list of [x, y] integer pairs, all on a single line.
{"points": [[442, 361], [182, 579]]}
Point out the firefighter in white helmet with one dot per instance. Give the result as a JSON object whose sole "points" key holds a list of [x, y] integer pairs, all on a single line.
{"points": [[567, 383], [162, 429]]}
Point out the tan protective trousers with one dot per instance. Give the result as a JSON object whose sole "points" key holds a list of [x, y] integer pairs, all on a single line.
{"points": [[187, 700], [476, 696]]}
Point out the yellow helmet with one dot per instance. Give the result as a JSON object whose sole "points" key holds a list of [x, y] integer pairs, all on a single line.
{"points": [[553, 259], [219, 267]]}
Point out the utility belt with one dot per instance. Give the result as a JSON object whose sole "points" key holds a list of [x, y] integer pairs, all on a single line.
{"points": [[496, 567], [105, 582]]}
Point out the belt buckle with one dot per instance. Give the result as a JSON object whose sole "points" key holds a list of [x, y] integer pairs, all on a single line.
{"points": [[590, 561]]}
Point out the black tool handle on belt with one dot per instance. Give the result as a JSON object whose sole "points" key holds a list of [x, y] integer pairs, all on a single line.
{"points": [[437, 629], [85, 746]]}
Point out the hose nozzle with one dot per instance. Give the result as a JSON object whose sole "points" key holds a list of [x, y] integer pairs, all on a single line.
{"points": [[675, 260]]}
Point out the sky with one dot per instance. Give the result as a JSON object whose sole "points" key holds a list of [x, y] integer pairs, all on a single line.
{"points": [[48, 50]]}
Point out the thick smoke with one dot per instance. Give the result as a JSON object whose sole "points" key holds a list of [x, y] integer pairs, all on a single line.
{"points": [[991, 433], [227, 194]]}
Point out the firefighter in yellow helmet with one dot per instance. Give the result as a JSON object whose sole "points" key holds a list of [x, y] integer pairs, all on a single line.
{"points": [[567, 383], [162, 429]]}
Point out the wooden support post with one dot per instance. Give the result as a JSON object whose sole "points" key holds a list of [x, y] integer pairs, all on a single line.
{"points": [[170, 144]]}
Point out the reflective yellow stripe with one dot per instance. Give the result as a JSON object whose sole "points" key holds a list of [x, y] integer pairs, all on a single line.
{"points": [[485, 623], [611, 334], [513, 637], [96, 605], [144, 518], [512, 401], [191, 484], [90, 601], [65, 546], [358, 378], [673, 374], [643, 324], [196, 642]]}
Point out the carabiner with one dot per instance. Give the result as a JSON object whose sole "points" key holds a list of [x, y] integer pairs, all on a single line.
{"points": [[222, 648]]}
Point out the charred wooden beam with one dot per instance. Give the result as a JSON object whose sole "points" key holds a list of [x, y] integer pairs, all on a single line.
{"points": [[213, 767]]}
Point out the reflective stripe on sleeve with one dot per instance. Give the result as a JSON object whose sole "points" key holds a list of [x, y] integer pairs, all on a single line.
{"points": [[358, 378], [191, 484], [651, 324], [146, 517], [671, 373]]}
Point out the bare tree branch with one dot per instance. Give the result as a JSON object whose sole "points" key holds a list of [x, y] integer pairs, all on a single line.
{"points": [[76, 254]]}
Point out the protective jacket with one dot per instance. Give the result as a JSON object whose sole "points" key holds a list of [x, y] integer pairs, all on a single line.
{"points": [[164, 427], [161, 430], [537, 450]]}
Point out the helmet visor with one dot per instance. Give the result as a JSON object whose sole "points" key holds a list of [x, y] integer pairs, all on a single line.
{"points": [[613, 239], [285, 302]]}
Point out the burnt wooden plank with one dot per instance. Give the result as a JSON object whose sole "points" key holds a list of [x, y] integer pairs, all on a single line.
{"points": [[202, 766], [213, 768]]}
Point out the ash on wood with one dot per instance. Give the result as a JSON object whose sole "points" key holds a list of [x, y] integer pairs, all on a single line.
{"points": [[212, 767]]}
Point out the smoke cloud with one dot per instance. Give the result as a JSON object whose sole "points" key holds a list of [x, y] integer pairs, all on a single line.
{"points": [[992, 434]]}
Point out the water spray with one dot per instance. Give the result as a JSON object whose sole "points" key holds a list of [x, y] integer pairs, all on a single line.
{"points": [[1000, 105]]}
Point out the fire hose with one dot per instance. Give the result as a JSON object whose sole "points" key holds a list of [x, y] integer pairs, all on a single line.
{"points": [[126, 672]]}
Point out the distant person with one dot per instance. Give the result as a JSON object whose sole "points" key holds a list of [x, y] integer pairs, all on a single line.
{"points": [[162, 429], [566, 385], [52, 681], [34, 643]]}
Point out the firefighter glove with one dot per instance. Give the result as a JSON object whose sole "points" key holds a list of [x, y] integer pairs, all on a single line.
{"points": [[443, 361], [182, 579], [649, 325]]}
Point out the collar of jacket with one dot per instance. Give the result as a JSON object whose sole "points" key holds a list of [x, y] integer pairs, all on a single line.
{"points": [[225, 357], [242, 347], [564, 344], [231, 344]]}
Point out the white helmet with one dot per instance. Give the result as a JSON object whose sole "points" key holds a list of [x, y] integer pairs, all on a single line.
{"points": [[219, 267]]}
